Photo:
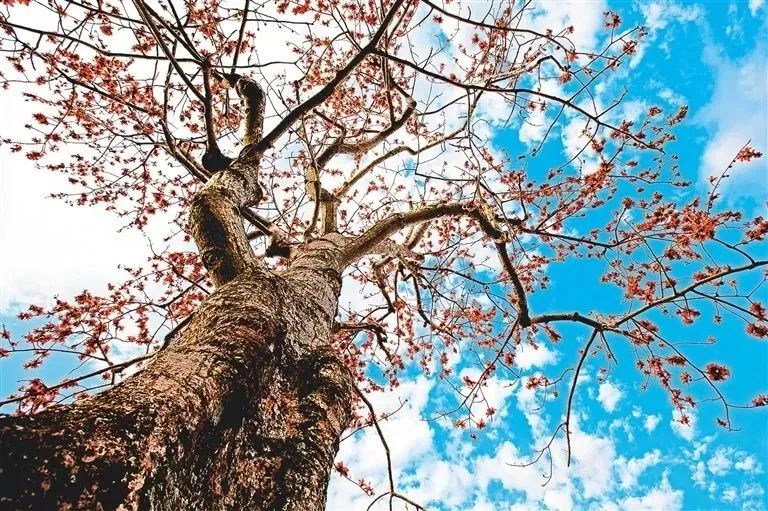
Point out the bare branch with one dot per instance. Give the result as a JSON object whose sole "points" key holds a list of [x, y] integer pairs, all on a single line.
{"points": [[289, 120]]}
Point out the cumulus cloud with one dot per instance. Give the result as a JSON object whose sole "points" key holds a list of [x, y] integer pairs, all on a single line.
{"points": [[662, 497], [630, 470], [748, 463], [585, 17], [658, 15], [527, 356], [735, 115], [672, 97], [651, 422], [587, 20], [724, 459], [685, 431], [442, 481], [699, 475], [727, 474], [609, 396], [590, 476], [720, 463]]}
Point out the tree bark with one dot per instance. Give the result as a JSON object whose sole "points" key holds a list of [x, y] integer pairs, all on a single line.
{"points": [[243, 411]]}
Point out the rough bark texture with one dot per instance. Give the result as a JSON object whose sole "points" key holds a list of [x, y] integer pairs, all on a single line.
{"points": [[243, 411]]}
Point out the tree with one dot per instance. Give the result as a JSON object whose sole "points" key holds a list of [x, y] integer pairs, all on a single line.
{"points": [[364, 155]]}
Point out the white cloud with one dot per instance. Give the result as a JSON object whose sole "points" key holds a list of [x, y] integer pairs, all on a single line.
{"points": [[730, 495], [702, 447], [442, 481], [686, 431], [594, 463], [699, 475], [633, 110], [409, 437], [715, 474], [725, 458], [748, 464], [530, 404], [660, 14], [484, 505], [558, 499], [720, 463], [527, 356], [630, 470], [609, 396], [537, 122], [534, 128], [651, 422], [622, 425], [585, 17], [457, 478], [587, 20], [735, 118], [592, 467], [664, 497], [755, 6], [672, 97]]}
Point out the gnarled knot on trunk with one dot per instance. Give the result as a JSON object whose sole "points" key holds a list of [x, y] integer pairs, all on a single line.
{"points": [[213, 257], [215, 161], [249, 89]]}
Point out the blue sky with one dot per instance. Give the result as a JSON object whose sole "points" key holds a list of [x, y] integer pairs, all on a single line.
{"points": [[629, 453]]}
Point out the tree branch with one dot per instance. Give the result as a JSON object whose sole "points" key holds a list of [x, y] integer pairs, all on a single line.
{"points": [[215, 210], [347, 185], [515, 90], [691, 287], [324, 93]]}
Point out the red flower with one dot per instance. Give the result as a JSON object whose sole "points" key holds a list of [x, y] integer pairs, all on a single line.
{"points": [[342, 469], [748, 154], [676, 360], [758, 330], [717, 372], [688, 315], [758, 310], [612, 20]]}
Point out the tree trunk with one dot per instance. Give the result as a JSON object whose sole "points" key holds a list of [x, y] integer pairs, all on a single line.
{"points": [[243, 411]]}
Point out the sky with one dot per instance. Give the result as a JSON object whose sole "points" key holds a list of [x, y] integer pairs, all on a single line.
{"points": [[629, 451]]}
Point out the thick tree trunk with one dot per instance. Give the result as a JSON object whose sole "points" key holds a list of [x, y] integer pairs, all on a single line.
{"points": [[243, 411]]}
